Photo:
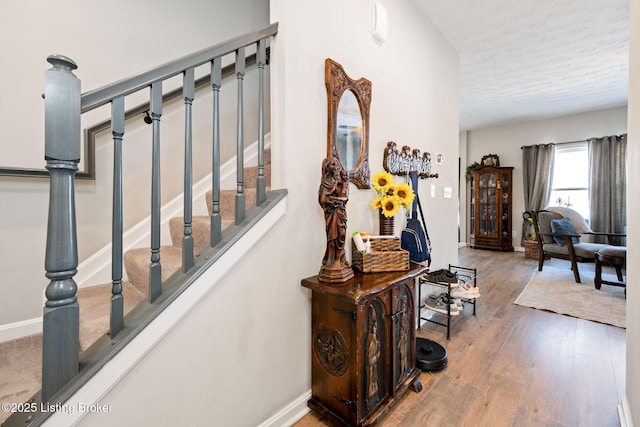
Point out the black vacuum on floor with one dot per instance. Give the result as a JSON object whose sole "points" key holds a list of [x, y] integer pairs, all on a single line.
{"points": [[430, 356]]}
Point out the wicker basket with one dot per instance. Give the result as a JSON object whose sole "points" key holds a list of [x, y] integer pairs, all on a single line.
{"points": [[385, 255], [531, 249]]}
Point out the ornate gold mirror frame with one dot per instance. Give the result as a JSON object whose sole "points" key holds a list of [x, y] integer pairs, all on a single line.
{"points": [[348, 122]]}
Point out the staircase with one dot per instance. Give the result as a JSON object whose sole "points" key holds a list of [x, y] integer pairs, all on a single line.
{"points": [[22, 358], [136, 261], [93, 319]]}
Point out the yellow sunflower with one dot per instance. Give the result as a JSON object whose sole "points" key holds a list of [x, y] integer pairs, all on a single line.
{"points": [[404, 192], [391, 191], [390, 206], [382, 181], [376, 203]]}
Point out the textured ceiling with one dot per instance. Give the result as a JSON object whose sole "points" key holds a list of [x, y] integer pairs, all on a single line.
{"points": [[526, 60]]}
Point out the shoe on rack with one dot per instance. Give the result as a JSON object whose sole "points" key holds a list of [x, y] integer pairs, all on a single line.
{"points": [[456, 303], [439, 305], [465, 291], [441, 276], [462, 280]]}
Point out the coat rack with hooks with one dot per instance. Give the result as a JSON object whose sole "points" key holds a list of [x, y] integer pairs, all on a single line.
{"points": [[407, 160]]}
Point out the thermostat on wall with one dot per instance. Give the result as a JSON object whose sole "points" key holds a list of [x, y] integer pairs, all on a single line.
{"points": [[379, 22]]}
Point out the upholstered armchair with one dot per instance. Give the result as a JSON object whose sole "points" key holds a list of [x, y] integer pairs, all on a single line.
{"points": [[560, 232]]}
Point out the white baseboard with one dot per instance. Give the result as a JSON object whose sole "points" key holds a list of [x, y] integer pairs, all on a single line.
{"points": [[624, 412], [462, 244], [290, 414], [13, 331]]}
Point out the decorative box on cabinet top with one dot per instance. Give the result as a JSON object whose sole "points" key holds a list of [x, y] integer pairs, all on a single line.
{"points": [[386, 255]]}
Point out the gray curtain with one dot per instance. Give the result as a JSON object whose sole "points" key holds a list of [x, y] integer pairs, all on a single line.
{"points": [[537, 176], [608, 183]]}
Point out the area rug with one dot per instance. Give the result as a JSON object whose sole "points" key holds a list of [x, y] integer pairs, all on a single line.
{"points": [[554, 289]]}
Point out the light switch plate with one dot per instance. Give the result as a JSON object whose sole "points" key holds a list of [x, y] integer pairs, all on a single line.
{"points": [[433, 190], [448, 192]]}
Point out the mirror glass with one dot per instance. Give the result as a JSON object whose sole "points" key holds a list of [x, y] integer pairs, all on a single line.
{"points": [[348, 122], [349, 130]]}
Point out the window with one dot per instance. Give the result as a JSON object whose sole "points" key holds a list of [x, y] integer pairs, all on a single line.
{"points": [[570, 187]]}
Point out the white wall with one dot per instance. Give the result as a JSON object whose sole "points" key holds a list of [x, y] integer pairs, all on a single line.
{"points": [[261, 309], [233, 360], [414, 102], [633, 206], [506, 141], [463, 190], [109, 41]]}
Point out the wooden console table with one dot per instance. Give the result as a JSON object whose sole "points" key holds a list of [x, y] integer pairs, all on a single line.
{"points": [[363, 344]]}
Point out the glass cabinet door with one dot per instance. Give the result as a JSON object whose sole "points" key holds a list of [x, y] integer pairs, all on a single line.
{"points": [[487, 187], [490, 223], [506, 194]]}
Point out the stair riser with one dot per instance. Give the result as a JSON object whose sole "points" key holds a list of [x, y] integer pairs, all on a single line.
{"points": [[200, 231]]}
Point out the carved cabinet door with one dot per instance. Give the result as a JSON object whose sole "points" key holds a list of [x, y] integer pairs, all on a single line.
{"points": [[334, 355], [403, 336], [375, 345]]}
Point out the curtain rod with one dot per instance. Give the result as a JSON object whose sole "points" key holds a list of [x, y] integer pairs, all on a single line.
{"points": [[624, 135], [556, 143]]}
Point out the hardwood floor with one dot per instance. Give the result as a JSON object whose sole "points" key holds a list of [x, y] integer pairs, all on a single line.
{"points": [[515, 366]]}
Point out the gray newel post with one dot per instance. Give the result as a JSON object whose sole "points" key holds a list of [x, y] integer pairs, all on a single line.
{"points": [[62, 153]]}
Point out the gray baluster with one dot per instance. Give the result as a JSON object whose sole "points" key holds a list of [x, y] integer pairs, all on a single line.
{"points": [[216, 220], [187, 240], [261, 185], [240, 197], [117, 301], [155, 269], [62, 151]]}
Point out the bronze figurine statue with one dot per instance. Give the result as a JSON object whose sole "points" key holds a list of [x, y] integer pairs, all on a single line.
{"points": [[333, 196]]}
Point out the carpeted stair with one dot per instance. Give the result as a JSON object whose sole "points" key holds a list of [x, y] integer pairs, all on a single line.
{"points": [[21, 359], [137, 261]]}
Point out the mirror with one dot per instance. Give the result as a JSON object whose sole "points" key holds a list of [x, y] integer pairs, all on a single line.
{"points": [[348, 122], [349, 131]]}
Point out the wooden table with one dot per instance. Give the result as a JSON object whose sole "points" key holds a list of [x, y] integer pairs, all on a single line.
{"points": [[363, 344]]}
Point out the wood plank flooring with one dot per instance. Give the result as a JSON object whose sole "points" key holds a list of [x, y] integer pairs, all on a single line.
{"points": [[515, 366]]}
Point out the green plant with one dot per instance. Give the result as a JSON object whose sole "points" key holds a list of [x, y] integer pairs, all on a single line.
{"points": [[471, 167]]}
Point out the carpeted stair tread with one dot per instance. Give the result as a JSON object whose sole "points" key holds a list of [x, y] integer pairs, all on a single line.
{"points": [[21, 359], [228, 201], [137, 263], [20, 370], [95, 310], [200, 231]]}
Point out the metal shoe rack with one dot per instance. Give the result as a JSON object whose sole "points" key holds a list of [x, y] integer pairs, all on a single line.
{"points": [[468, 275]]}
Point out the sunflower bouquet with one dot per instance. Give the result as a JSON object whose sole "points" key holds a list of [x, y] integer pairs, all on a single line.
{"points": [[390, 196]]}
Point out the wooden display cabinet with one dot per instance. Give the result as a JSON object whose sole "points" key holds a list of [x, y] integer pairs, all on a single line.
{"points": [[490, 216], [363, 345]]}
